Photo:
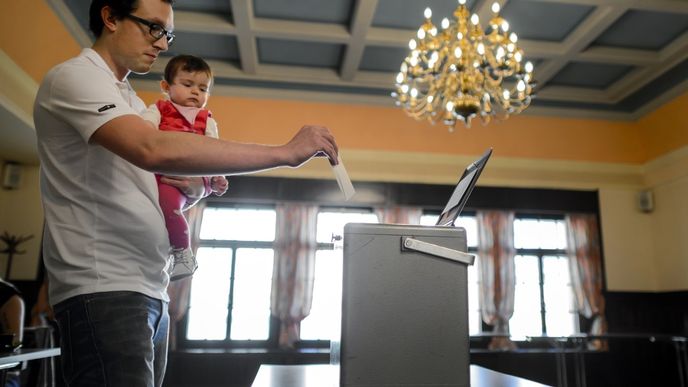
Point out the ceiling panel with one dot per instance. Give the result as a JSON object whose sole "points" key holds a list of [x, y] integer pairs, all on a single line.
{"points": [[386, 59], [330, 11], [209, 46], [644, 30], [591, 75], [310, 54], [222, 6], [545, 21]]}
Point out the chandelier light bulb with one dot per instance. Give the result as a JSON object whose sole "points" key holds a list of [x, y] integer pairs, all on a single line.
{"points": [[450, 106], [459, 36], [521, 86], [403, 68], [414, 92], [500, 53], [518, 57], [433, 31], [404, 89], [421, 33], [475, 19], [427, 13], [458, 52], [413, 61], [495, 7], [506, 94], [529, 67], [481, 49], [505, 26], [462, 2], [430, 98], [513, 37], [510, 47], [445, 23], [412, 44], [400, 78]]}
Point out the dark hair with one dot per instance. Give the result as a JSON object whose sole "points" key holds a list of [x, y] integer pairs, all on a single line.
{"points": [[190, 63], [120, 9]]}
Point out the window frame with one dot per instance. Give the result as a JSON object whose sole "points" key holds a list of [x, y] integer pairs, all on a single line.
{"points": [[540, 254], [182, 341], [322, 343]]}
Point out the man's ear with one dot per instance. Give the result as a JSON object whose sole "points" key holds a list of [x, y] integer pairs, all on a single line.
{"points": [[109, 20]]}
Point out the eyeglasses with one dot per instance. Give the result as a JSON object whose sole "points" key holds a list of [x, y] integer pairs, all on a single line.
{"points": [[156, 30]]}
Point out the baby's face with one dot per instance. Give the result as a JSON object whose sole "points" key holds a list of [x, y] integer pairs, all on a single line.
{"points": [[190, 89]]}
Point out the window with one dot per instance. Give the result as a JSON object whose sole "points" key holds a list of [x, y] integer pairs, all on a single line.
{"points": [[324, 320], [544, 301], [470, 224], [230, 291]]}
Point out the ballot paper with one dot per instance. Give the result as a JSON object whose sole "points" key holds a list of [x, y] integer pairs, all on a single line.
{"points": [[343, 179]]}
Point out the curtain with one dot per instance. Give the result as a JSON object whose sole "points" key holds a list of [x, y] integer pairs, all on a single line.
{"points": [[293, 273], [497, 274], [585, 265], [179, 291], [399, 215]]}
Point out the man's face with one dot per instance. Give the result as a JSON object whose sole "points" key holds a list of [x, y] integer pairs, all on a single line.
{"points": [[137, 49]]}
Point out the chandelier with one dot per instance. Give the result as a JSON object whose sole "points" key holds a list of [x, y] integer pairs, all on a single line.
{"points": [[461, 72]]}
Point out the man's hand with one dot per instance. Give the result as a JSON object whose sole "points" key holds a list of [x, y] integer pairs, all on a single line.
{"points": [[311, 141]]}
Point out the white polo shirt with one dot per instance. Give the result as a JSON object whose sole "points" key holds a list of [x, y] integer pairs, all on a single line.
{"points": [[104, 230]]}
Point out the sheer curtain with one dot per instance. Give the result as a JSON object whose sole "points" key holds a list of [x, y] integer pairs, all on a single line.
{"points": [[497, 273], [293, 273], [399, 215], [179, 291], [585, 263]]}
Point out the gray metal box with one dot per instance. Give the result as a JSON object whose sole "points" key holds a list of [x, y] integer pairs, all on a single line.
{"points": [[404, 313]]}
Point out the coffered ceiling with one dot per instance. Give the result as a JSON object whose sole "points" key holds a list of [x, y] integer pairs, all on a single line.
{"points": [[616, 59]]}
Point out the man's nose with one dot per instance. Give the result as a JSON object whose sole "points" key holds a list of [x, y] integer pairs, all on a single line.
{"points": [[161, 44]]}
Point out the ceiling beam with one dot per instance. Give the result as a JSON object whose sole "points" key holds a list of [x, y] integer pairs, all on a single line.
{"points": [[670, 56], [303, 31], [242, 11], [362, 19], [586, 32], [201, 22]]}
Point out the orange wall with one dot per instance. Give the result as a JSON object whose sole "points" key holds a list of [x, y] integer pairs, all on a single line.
{"points": [[37, 46], [34, 37], [389, 129], [665, 129]]}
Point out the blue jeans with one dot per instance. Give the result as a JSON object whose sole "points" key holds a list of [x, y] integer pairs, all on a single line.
{"points": [[113, 339]]}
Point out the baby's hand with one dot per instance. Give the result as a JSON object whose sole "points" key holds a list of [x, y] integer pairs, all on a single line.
{"points": [[219, 185]]}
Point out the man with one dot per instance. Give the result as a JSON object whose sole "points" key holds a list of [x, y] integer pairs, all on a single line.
{"points": [[105, 243]]}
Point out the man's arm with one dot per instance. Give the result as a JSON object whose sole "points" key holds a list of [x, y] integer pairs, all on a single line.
{"points": [[131, 138]]}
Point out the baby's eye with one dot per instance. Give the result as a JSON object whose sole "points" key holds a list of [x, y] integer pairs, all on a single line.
{"points": [[204, 89]]}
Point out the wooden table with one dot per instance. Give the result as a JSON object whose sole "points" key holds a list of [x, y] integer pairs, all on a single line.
{"points": [[325, 375]]}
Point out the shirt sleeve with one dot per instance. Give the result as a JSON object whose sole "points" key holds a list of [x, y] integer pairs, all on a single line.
{"points": [[211, 128], [86, 98], [152, 114]]}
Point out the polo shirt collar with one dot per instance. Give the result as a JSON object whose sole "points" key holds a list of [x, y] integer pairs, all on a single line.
{"points": [[97, 60]]}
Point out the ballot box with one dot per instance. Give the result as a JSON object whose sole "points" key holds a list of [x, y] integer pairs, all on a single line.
{"points": [[404, 306]]}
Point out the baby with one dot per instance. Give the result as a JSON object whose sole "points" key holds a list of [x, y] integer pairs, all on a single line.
{"points": [[186, 82]]}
